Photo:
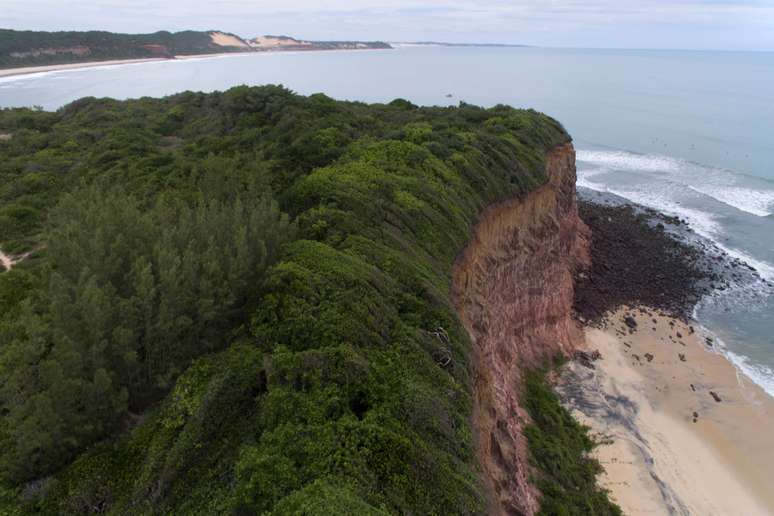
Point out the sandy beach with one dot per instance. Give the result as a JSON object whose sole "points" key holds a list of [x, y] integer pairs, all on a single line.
{"points": [[10, 72], [669, 446], [72, 66], [93, 64]]}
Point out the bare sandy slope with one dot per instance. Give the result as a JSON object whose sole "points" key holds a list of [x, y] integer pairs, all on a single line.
{"points": [[274, 42], [227, 40], [671, 448]]}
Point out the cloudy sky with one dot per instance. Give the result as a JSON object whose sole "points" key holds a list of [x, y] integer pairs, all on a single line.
{"points": [[691, 24]]}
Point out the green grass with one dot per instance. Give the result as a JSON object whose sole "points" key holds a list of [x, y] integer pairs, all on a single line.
{"points": [[560, 450]]}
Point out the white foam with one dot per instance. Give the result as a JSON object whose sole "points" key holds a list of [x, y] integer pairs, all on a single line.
{"points": [[584, 176], [759, 374], [629, 161], [722, 185], [764, 269], [700, 221], [755, 202]]}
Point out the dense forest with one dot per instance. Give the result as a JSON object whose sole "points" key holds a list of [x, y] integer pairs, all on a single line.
{"points": [[230, 303], [37, 48]]}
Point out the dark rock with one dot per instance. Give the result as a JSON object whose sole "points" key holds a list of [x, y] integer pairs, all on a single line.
{"points": [[649, 357], [630, 322], [682, 357], [635, 264], [715, 396], [586, 358]]}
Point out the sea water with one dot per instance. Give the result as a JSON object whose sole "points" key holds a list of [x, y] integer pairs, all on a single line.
{"points": [[688, 133]]}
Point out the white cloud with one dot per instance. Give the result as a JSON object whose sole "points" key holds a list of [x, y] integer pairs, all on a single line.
{"points": [[622, 23]]}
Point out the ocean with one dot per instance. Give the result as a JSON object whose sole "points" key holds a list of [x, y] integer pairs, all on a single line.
{"points": [[687, 133]]}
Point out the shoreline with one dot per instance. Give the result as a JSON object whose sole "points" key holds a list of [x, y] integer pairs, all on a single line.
{"points": [[668, 445], [682, 429], [30, 70]]}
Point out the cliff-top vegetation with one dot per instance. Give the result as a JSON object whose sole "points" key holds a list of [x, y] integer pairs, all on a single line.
{"points": [[237, 302]]}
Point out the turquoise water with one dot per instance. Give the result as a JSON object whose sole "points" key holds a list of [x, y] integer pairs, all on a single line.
{"points": [[688, 133]]}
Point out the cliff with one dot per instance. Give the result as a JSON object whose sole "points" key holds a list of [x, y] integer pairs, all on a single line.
{"points": [[175, 346], [513, 291]]}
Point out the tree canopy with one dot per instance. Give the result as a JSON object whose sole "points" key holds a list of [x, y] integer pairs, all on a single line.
{"points": [[232, 301]]}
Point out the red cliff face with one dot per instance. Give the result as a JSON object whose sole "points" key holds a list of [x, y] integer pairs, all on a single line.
{"points": [[513, 290]]}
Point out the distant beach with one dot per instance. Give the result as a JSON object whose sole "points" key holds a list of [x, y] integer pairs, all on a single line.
{"points": [[11, 72], [683, 431], [8, 72]]}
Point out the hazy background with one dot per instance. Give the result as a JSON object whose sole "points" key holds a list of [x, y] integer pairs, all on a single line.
{"points": [[678, 24]]}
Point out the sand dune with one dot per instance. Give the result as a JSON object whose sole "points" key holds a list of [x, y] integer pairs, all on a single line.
{"points": [[227, 40]]}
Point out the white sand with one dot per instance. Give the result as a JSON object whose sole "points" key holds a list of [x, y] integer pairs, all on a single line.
{"points": [[658, 460], [71, 66], [227, 40]]}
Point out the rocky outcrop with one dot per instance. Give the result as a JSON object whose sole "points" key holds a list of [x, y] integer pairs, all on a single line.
{"points": [[513, 290]]}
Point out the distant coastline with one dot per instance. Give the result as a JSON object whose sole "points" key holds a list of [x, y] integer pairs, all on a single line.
{"points": [[24, 52], [445, 44], [29, 70]]}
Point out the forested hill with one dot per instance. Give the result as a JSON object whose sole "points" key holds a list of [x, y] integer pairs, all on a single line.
{"points": [[237, 302], [32, 48]]}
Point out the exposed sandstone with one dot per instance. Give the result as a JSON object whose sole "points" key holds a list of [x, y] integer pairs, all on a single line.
{"points": [[513, 290]]}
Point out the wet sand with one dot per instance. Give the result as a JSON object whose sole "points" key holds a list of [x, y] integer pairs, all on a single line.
{"points": [[668, 446]]}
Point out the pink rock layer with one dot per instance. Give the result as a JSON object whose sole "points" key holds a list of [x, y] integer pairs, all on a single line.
{"points": [[513, 290]]}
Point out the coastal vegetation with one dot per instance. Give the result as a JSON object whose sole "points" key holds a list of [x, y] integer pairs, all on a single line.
{"points": [[238, 302], [38, 48], [560, 449]]}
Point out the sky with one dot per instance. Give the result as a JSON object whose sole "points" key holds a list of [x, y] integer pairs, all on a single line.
{"points": [[681, 24]]}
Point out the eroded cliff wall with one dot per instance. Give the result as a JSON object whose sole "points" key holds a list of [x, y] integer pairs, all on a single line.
{"points": [[513, 290]]}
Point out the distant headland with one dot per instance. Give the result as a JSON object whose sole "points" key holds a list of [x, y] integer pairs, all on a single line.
{"points": [[33, 50]]}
